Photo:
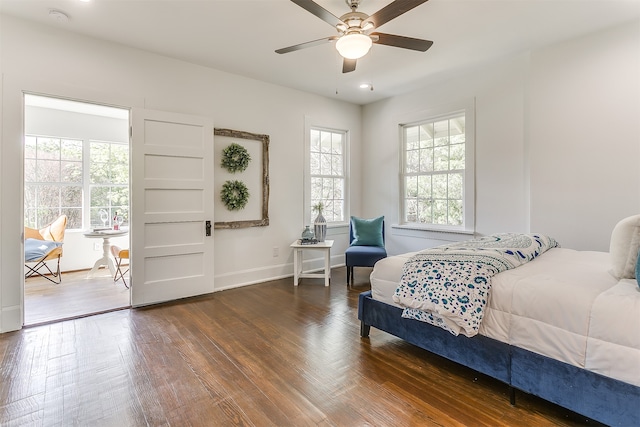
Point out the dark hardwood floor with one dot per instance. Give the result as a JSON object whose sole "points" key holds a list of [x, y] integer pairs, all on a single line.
{"points": [[264, 355]]}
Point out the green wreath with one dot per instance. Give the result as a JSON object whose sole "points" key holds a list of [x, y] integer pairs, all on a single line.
{"points": [[234, 195], [235, 158]]}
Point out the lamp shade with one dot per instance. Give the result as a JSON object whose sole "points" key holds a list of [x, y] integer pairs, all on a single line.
{"points": [[353, 46]]}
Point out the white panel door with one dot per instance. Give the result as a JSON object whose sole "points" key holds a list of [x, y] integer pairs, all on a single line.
{"points": [[171, 202]]}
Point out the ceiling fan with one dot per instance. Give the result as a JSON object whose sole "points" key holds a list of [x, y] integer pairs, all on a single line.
{"points": [[356, 30]]}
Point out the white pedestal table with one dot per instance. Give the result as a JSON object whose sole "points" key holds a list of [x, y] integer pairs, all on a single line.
{"points": [[106, 259]]}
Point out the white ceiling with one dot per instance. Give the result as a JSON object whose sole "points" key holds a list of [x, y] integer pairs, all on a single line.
{"points": [[240, 36]]}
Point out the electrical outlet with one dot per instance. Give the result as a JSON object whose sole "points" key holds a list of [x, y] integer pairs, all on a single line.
{"points": [[276, 251], [97, 246]]}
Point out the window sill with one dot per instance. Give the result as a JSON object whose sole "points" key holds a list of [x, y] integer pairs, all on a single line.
{"points": [[338, 225], [433, 233], [336, 229], [432, 229]]}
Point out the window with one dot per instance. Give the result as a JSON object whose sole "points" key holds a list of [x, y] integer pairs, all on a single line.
{"points": [[109, 180], [53, 181], [327, 173], [437, 176], [58, 181]]}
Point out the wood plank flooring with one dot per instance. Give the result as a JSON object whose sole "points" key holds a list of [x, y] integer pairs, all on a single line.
{"points": [[75, 296], [270, 354]]}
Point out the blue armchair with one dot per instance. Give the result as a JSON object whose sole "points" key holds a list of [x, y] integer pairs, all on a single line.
{"points": [[366, 240]]}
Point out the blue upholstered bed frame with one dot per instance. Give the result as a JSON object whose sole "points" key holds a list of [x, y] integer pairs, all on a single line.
{"points": [[597, 397]]}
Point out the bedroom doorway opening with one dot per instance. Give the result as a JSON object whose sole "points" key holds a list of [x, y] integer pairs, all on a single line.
{"points": [[76, 164]]}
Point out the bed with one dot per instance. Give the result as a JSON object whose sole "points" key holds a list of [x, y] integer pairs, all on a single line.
{"points": [[564, 326]]}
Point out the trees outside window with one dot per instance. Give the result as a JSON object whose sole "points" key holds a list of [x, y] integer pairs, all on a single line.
{"points": [[76, 178], [435, 175], [327, 168], [109, 180]]}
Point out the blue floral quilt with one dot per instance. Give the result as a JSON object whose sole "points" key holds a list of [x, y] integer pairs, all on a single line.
{"points": [[448, 286]]}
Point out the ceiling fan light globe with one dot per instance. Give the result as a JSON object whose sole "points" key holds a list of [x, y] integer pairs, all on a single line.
{"points": [[353, 46]]}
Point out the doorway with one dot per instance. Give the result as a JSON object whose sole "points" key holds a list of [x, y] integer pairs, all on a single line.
{"points": [[77, 164]]}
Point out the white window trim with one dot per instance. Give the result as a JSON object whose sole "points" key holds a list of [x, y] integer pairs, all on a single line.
{"points": [[59, 183], [468, 107], [307, 214], [86, 176], [86, 207]]}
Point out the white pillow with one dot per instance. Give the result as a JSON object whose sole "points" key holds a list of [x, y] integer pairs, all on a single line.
{"points": [[624, 246]]}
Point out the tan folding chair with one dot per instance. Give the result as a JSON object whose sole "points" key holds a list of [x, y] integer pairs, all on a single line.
{"points": [[44, 245], [119, 255]]}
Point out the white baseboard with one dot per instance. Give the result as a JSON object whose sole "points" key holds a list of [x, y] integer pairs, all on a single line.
{"points": [[273, 272]]}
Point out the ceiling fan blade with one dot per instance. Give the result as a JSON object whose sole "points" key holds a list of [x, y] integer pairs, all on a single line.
{"points": [[348, 65], [322, 13], [393, 10], [402, 41], [307, 44]]}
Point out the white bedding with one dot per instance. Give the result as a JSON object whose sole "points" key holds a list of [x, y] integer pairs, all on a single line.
{"points": [[565, 304]]}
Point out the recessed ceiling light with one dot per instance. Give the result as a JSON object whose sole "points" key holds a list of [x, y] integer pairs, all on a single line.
{"points": [[366, 86]]}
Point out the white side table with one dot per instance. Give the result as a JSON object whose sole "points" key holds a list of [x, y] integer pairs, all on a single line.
{"points": [[298, 261]]}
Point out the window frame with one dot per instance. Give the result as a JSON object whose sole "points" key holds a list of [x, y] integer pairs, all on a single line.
{"points": [[466, 108], [60, 184], [86, 184], [308, 214]]}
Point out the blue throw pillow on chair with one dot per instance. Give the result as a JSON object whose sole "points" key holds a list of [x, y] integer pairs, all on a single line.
{"points": [[35, 249], [367, 232]]}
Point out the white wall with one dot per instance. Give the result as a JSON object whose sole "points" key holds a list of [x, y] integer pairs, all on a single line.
{"points": [[49, 61], [500, 165], [585, 136], [557, 142]]}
